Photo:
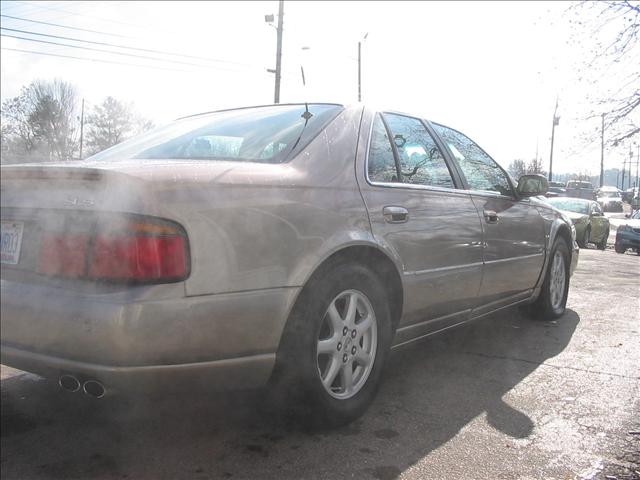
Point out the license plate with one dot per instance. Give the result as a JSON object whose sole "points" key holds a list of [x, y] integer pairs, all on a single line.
{"points": [[11, 241]]}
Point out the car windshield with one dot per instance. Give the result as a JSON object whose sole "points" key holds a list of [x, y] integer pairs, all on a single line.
{"points": [[636, 215], [260, 134], [570, 205]]}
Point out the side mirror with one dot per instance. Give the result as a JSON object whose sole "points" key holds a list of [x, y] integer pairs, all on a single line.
{"points": [[532, 185]]}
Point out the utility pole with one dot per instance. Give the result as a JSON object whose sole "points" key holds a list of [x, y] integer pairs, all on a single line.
{"points": [[276, 96], [81, 127], [630, 160], [637, 163], [602, 156], [624, 170], [556, 121], [360, 66], [359, 71]]}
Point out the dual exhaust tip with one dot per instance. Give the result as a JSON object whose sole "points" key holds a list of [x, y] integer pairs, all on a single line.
{"points": [[92, 388]]}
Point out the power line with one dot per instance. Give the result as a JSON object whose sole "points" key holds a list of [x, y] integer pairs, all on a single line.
{"points": [[53, 9], [145, 57], [63, 26], [156, 67], [126, 47]]}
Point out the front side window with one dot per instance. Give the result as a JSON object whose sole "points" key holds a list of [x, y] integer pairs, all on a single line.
{"points": [[481, 171]]}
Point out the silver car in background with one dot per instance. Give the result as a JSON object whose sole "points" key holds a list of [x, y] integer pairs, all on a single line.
{"points": [[295, 244]]}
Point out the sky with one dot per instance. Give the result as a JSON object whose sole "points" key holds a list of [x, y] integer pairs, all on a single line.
{"points": [[490, 69]]}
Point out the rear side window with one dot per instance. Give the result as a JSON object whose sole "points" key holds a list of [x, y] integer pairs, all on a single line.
{"points": [[261, 134], [480, 170], [382, 165], [420, 161]]}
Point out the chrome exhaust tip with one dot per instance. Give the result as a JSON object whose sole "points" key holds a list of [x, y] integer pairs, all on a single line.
{"points": [[69, 383], [93, 388]]}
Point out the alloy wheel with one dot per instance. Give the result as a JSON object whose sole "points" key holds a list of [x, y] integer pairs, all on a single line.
{"points": [[347, 343], [558, 280]]}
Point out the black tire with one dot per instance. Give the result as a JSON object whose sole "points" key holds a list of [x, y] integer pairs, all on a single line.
{"points": [[296, 375], [602, 245], [619, 248], [542, 308]]}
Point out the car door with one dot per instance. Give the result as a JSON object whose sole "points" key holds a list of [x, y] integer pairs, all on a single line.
{"points": [[418, 211], [514, 236]]}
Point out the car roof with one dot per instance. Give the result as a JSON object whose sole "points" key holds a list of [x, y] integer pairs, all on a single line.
{"points": [[260, 106]]}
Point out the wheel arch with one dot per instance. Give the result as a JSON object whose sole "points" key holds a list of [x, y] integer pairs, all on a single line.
{"points": [[372, 257]]}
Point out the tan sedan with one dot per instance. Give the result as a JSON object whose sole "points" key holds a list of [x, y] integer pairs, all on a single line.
{"points": [[295, 244]]}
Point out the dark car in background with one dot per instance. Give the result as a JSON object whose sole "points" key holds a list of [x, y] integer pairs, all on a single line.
{"points": [[610, 199], [580, 189], [628, 235]]}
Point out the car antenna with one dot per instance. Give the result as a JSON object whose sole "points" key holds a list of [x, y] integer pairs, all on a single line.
{"points": [[307, 114]]}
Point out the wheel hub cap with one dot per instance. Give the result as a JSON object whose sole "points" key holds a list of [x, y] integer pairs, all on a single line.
{"points": [[347, 343]]}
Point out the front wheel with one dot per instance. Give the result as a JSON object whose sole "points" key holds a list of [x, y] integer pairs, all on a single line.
{"points": [[619, 248], [553, 298], [334, 346]]}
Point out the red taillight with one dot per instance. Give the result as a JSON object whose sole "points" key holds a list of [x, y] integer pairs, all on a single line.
{"points": [[63, 255], [138, 258], [133, 252]]}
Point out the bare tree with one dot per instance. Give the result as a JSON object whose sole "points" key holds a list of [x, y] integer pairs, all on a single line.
{"points": [[40, 123], [52, 116], [517, 168], [111, 122], [615, 26], [536, 165]]}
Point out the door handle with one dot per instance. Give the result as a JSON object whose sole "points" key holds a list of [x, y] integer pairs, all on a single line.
{"points": [[491, 216], [395, 214]]}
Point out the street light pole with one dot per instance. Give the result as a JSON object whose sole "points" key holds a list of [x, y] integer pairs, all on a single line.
{"points": [[602, 156], [359, 71], [276, 96], [556, 121], [637, 163], [360, 66], [81, 128]]}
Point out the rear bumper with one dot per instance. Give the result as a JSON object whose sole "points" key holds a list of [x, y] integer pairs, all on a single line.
{"points": [[235, 373], [146, 336]]}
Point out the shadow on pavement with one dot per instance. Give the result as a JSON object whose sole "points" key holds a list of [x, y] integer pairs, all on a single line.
{"points": [[430, 391]]}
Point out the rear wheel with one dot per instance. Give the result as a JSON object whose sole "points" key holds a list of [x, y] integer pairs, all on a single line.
{"points": [[334, 346], [553, 298]]}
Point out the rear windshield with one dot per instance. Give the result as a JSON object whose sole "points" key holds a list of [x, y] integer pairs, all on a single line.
{"points": [[609, 194], [261, 134], [579, 185]]}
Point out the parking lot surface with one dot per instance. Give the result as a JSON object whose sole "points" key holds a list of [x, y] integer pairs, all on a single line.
{"points": [[506, 397]]}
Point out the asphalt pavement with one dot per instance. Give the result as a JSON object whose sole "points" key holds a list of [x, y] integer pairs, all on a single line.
{"points": [[503, 398]]}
